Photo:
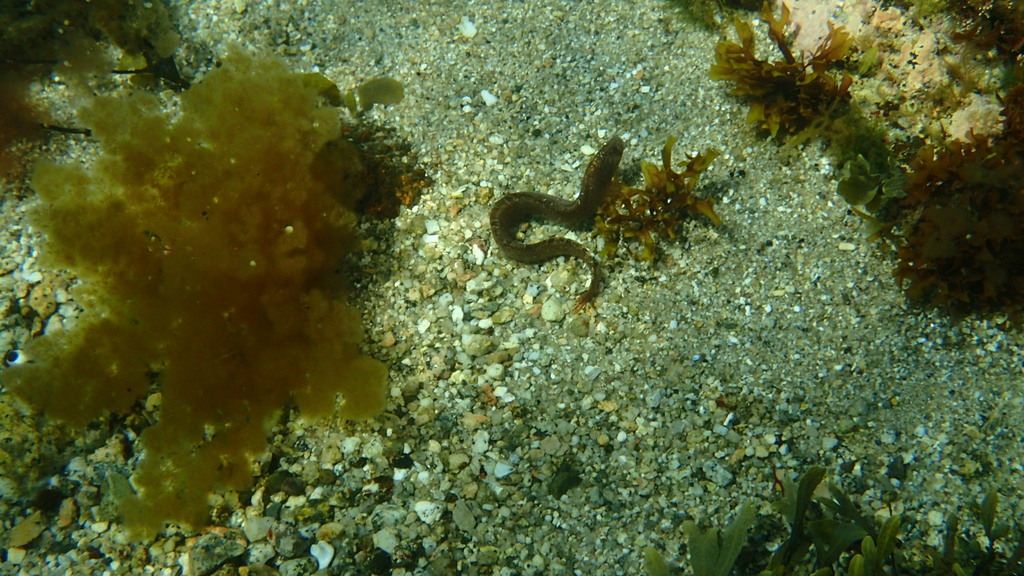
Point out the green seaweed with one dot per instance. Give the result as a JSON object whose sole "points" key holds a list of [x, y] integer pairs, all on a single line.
{"points": [[828, 534], [381, 90], [713, 552]]}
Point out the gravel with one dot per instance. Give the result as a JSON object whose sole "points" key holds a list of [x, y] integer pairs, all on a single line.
{"points": [[772, 343]]}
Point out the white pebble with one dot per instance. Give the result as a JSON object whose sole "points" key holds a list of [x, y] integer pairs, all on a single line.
{"points": [[466, 27], [481, 441], [386, 540], [350, 445], [502, 469], [257, 528], [323, 552], [552, 310], [489, 98], [427, 511], [16, 555], [32, 277]]}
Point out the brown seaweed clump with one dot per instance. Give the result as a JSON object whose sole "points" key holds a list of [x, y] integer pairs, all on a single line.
{"points": [[963, 223], [657, 209], [786, 95], [208, 243], [992, 24]]}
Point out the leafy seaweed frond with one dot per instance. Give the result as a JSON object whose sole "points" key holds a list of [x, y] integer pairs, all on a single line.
{"points": [[713, 552], [785, 95], [660, 206]]}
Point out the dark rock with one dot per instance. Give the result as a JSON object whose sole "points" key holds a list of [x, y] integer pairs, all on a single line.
{"points": [[262, 570], [298, 567], [210, 552], [288, 542]]}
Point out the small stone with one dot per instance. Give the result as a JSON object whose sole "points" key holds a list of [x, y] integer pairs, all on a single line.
{"points": [[477, 344], [481, 441], [210, 551], [467, 28], [488, 98], [386, 540], [463, 516], [552, 310], [288, 542], [27, 530], [494, 371], [68, 513], [259, 570], [428, 512], [504, 315], [298, 567], [551, 445], [16, 555], [329, 531], [323, 552], [260, 552], [488, 556], [718, 474], [256, 528], [502, 469]]}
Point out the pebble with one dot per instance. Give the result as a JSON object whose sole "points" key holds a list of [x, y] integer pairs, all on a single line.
{"points": [[386, 540], [323, 552], [298, 567], [552, 310], [463, 516], [718, 474], [15, 555], [502, 469], [489, 98], [467, 28], [210, 551], [256, 528], [329, 531], [288, 542], [428, 512], [27, 530], [477, 344], [260, 552], [481, 441], [494, 371]]}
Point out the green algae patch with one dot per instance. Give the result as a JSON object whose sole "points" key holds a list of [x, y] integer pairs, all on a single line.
{"points": [[208, 244]]}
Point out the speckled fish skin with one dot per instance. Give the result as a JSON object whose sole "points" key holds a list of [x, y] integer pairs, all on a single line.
{"points": [[512, 210]]}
